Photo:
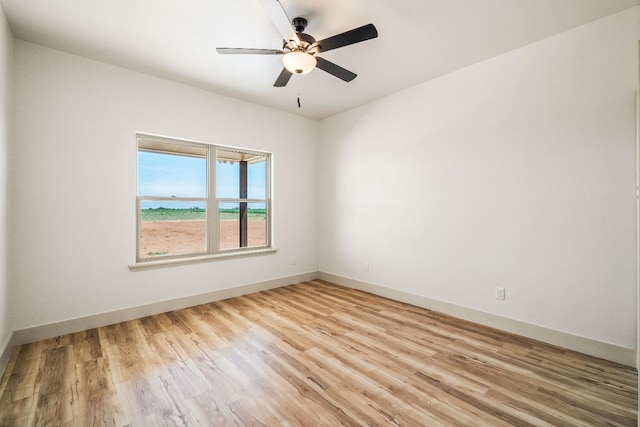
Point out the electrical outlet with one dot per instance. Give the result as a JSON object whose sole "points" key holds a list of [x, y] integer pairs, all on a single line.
{"points": [[500, 293], [366, 266], [294, 261]]}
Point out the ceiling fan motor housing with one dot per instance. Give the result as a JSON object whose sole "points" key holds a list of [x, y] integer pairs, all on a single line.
{"points": [[306, 44]]}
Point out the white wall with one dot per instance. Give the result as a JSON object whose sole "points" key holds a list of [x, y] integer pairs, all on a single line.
{"points": [[516, 172], [6, 70], [73, 185]]}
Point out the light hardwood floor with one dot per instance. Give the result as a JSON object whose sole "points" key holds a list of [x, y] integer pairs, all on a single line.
{"points": [[309, 354]]}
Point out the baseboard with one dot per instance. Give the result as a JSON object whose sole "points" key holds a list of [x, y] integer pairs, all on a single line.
{"points": [[24, 336], [580, 344], [584, 345], [5, 352]]}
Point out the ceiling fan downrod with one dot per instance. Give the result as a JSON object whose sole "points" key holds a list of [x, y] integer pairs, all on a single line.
{"points": [[299, 24]]}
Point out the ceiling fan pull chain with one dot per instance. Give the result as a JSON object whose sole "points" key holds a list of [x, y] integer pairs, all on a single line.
{"points": [[298, 79]]}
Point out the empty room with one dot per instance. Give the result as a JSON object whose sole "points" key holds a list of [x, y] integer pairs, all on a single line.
{"points": [[263, 212]]}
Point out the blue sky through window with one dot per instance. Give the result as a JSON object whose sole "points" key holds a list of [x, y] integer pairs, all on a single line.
{"points": [[171, 175]]}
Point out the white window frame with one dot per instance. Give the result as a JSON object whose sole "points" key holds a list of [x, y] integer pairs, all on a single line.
{"points": [[212, 251]]}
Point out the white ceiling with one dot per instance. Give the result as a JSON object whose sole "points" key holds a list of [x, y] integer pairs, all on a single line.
{"points": [[176, 39]]}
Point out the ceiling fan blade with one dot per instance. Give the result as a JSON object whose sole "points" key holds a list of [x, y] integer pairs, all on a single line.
{"points": [[356, 35], [280, 20], [247, 51], [336, 70], [283, 78]]}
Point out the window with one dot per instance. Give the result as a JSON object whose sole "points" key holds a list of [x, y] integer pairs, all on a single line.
{"points": [[199, 200]]}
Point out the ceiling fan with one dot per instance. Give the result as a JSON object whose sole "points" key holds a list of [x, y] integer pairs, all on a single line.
{"points": [[300, 50]]}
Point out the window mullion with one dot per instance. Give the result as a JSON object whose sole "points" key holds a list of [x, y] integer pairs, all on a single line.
{"points": [[229, 200], [171, 199], [213, 228]]}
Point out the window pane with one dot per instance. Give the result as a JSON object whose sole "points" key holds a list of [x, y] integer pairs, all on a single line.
{"points": [[171, 175], [170, 228], [231, 225], [229, 214], [227, 179], [257, 178], [257, 224], [228, 175]]}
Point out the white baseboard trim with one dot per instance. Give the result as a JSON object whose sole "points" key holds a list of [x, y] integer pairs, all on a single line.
{"points": [[588, 346], [24, 336], [580, 344], [5, 352]]}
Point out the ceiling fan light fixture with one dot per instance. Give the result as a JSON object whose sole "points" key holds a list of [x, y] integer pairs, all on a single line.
{"points": [[299, 62]]}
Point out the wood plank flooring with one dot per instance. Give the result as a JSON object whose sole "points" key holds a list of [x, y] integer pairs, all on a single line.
{"points": [[310, 354]]}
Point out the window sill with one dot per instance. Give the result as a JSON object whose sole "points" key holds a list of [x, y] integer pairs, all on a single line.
{"points": [[146, 265]]}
